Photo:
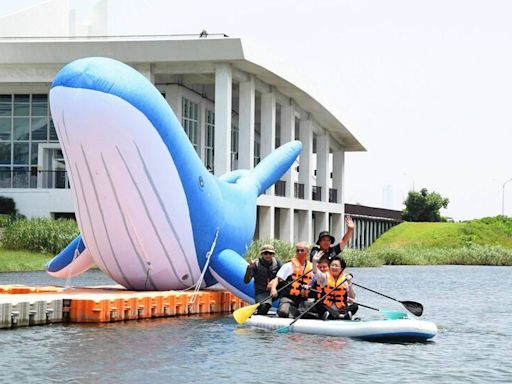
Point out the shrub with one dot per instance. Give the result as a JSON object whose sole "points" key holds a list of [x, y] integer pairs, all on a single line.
{"points": [[7, 205], [40, 235]]}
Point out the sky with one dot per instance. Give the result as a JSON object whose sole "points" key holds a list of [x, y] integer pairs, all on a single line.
{"points": [[425, 86]]}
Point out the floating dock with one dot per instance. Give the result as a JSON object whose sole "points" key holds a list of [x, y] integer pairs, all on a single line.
{"points": [[22, 305]]}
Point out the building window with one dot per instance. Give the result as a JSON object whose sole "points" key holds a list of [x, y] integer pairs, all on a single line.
{"points": [[190, 120], [210, 140], [25, 122], [257, 149], [234, 148]]}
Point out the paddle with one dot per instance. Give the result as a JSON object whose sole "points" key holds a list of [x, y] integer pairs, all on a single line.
{"points": [[242, 314], [391, 315], [286, 329], [412, 306]]}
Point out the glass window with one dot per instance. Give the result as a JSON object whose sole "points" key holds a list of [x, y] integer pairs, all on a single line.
{"points": [[21, 126], [190, 120], [210, 139], [39, 128], [5, 105], [5, 153], [5, 177], [20, 177], [33, 177], [234, 148], [34, 153], [39, 105], [21, 105], [53, 133], [5, 128], [20, 153]]}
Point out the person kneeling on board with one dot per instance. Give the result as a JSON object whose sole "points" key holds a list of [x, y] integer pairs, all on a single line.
{"points": [[263, 271], [300, 269], [335, 305]]}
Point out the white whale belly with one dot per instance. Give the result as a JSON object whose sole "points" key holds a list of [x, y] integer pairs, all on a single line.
{"points": [[131, 208]]}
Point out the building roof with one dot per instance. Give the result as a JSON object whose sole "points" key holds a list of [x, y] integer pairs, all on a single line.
{"points": [[194, 55]]}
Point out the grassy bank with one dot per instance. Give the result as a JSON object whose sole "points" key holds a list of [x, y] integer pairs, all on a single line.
{"points": [[486, 241], [21, 261]]}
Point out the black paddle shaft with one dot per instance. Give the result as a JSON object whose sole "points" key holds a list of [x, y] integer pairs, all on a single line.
{"points": [[412, 306], [285, 286], [315, 303]]}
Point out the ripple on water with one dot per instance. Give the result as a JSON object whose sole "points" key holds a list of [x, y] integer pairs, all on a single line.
{"points": [[472, 345]]}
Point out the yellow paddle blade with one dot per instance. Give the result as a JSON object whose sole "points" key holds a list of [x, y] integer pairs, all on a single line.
{"points": [[242, 314]]}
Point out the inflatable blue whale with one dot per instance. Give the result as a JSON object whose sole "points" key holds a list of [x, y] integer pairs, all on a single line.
{"points": [[150, 214]]}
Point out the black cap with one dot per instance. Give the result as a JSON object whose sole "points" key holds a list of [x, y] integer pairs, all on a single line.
{"points": [[323, 234]]}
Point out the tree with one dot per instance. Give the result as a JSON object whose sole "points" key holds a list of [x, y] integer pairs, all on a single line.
{"points": [[424, 206]]}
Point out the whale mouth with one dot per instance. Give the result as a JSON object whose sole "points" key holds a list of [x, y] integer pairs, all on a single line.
{"points": [[131, 208]]}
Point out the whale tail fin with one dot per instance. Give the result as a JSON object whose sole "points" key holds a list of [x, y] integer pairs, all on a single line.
{"points": [[71, 261], [275, 165]]}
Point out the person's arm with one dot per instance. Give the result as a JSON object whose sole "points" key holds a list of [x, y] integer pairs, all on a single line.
{"points": [[249, 271], [315, 259], [350, 229], [283, 273], [351, 290]]}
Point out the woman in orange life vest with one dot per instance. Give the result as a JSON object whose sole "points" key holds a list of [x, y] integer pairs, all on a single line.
{"points": [[335, 305], [295, 294]]}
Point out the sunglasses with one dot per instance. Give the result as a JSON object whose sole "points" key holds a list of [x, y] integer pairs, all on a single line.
{"points": [[300, 250], [267, 253]]}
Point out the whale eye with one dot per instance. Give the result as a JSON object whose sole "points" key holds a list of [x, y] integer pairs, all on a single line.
{"points": [[184, 277], [201, 182]]}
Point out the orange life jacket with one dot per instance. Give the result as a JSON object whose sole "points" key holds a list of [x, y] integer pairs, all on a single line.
{"points": [[339, 296], [299, 269]]}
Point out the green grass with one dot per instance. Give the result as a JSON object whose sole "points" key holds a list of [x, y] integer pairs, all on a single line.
{"points": [[490, 231], [21, 261], [486, 241]]}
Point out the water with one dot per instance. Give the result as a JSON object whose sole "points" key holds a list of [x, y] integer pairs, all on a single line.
{"points": [[470, 305]]}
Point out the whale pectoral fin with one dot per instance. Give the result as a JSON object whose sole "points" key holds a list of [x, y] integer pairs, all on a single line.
{"points": [[228, 268], [272, 167], [65, 264]]}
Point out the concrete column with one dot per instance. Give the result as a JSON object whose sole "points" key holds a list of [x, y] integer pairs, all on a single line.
{"points": [[337, 226], [305, 226], [360, 236], [288, 134], [146, 70], [266, 222], [322, 165], [287, 225], [173, 98], [321, 222], [338, 173], [247, 102], [223, 93], [367, 233], [268, 127], [305, 165]]}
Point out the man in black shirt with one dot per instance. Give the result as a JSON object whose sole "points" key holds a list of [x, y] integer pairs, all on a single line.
{"points": [[325, 242], [263, 270]]}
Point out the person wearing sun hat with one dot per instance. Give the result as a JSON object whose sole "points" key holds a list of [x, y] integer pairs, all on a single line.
{"points": [[324, 244], [263, 270]]}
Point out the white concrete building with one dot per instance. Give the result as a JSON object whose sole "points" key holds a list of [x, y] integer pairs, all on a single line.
{"points": [[234, 109]]}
